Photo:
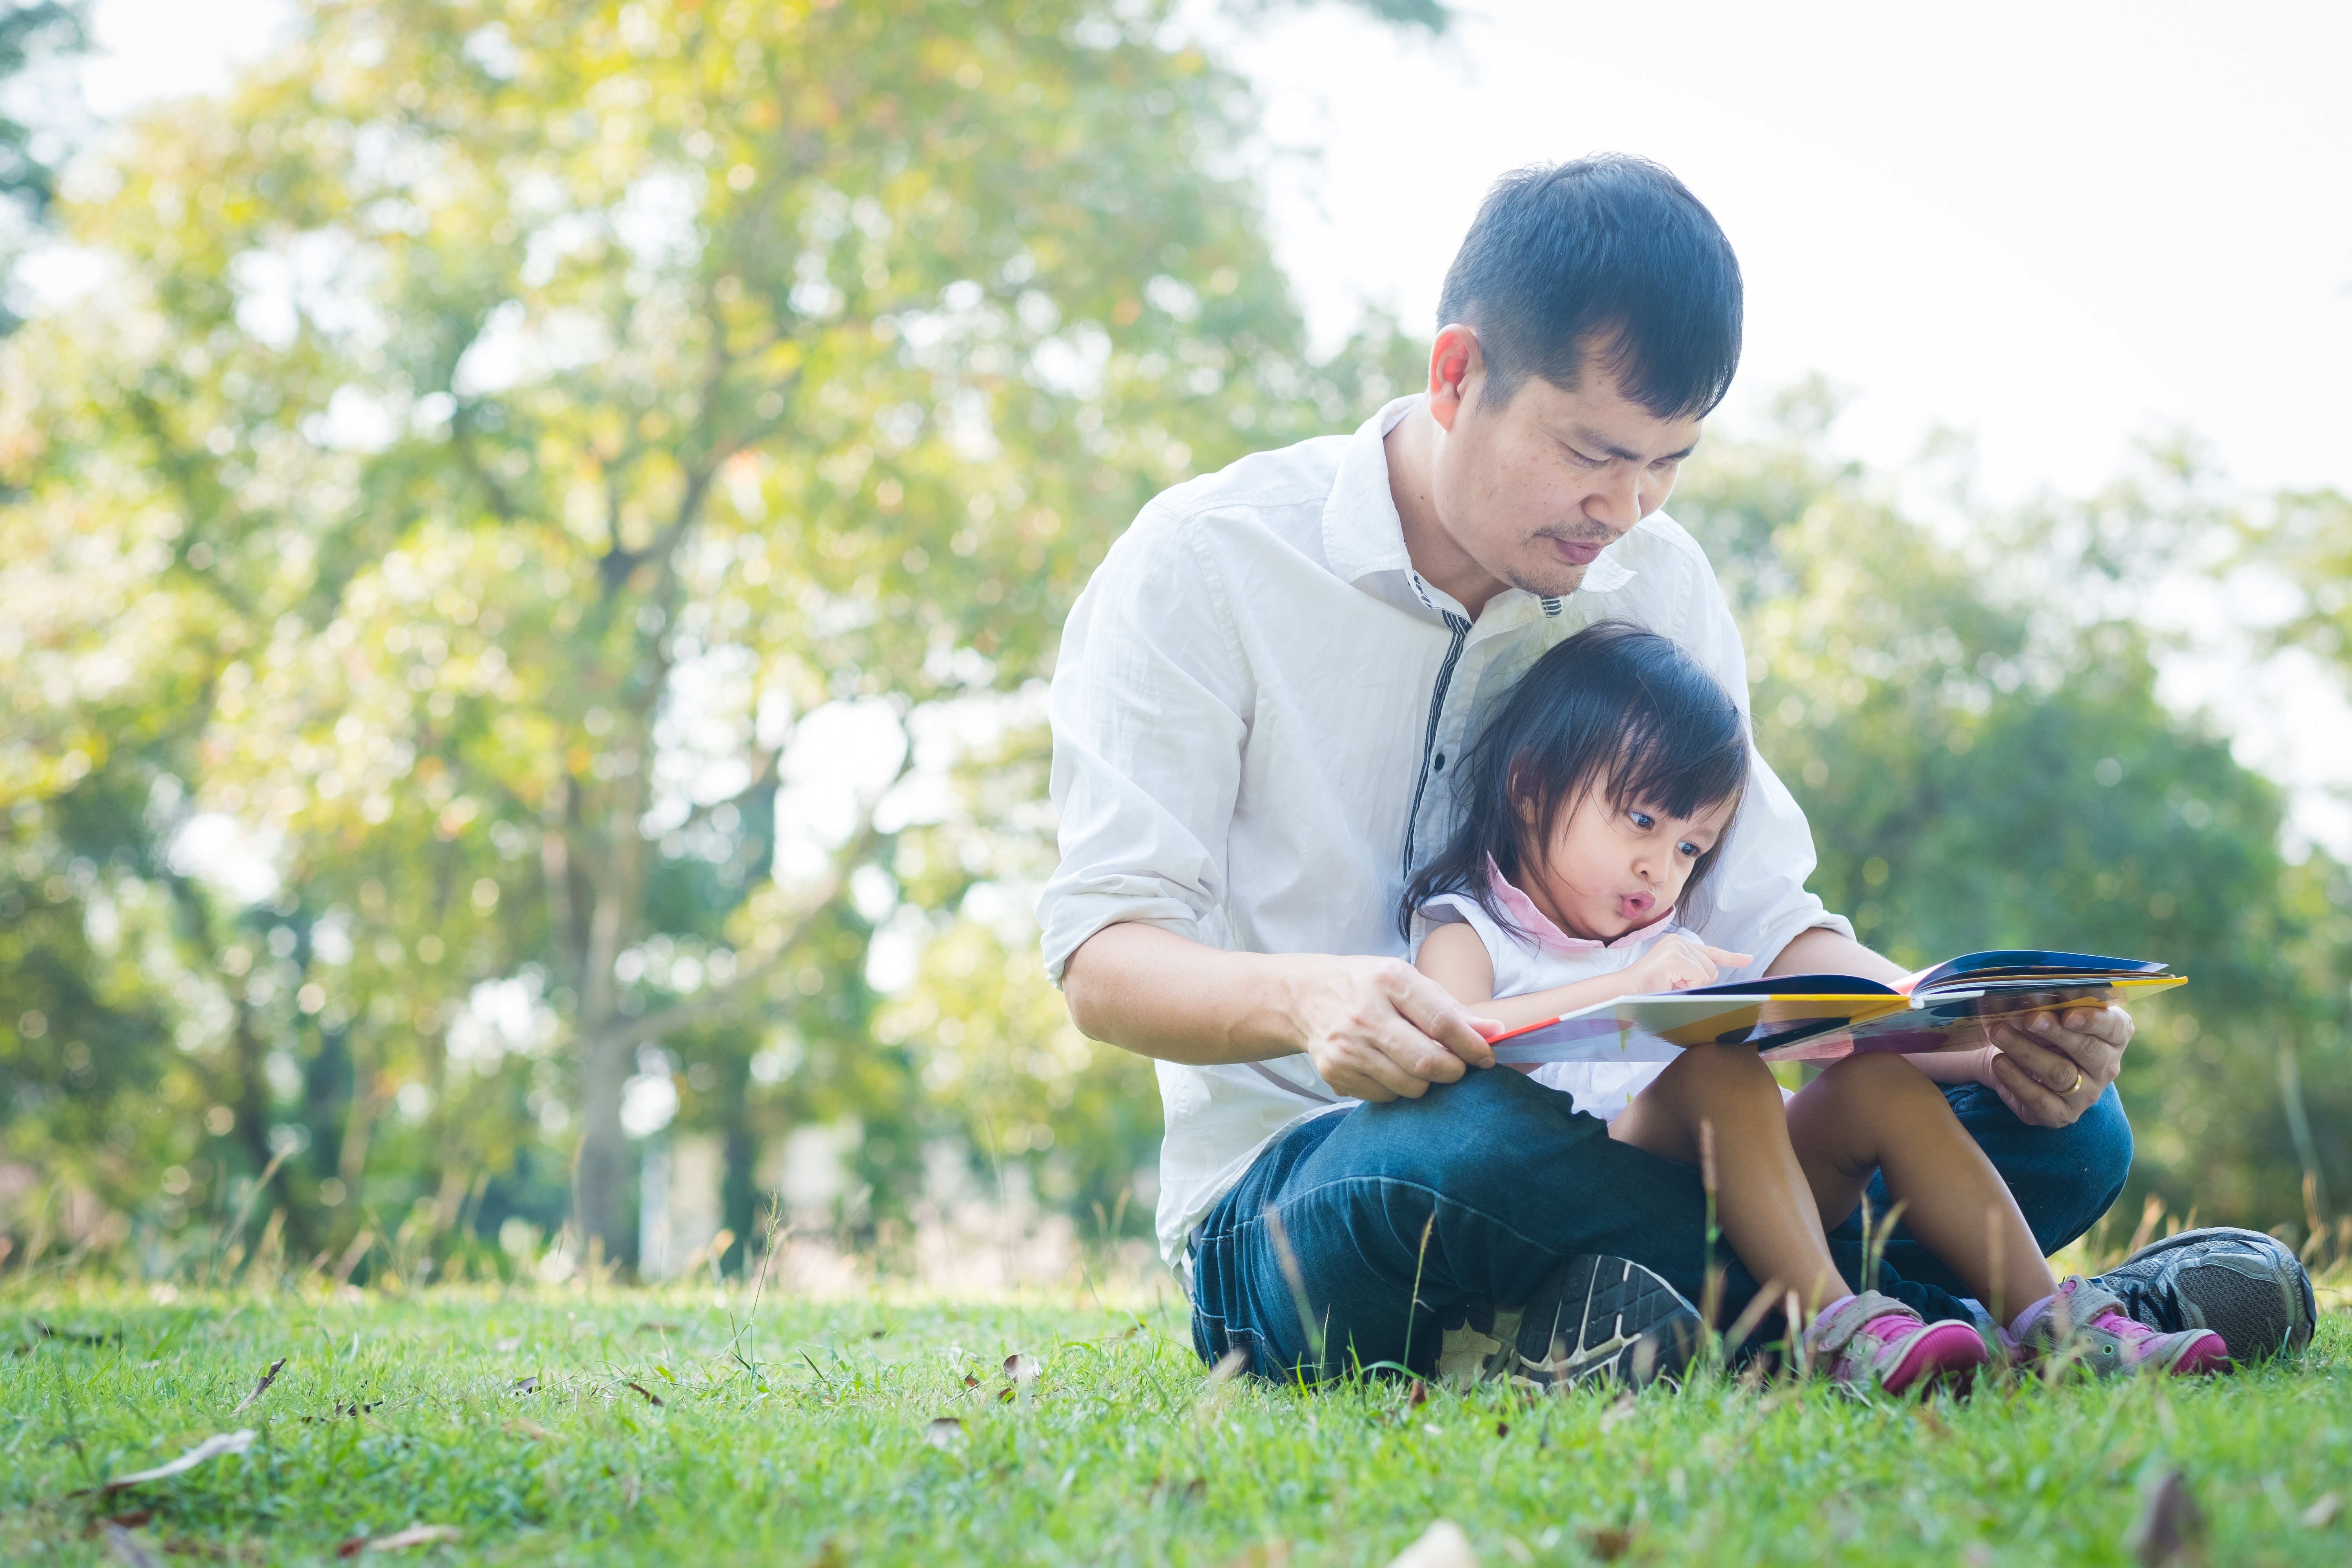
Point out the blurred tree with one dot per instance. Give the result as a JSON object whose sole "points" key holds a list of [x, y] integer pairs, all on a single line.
{"points": [[2304, 547], [1985, 769], [550, 407], [530, 586], [32, 33]]}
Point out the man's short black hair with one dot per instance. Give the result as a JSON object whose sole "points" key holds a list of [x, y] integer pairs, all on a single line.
{"points": [[1609, 259]]}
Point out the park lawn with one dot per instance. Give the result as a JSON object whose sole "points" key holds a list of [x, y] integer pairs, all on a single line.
{"points": [[530, 1424]]}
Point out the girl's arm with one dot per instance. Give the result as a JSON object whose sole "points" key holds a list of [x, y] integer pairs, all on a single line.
{"points": [[1455, 957]]}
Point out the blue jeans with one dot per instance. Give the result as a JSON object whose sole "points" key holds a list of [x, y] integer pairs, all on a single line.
{"points": [[1323, 1239]]}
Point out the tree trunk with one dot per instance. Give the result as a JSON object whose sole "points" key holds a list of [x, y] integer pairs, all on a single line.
{"points": [[739, 1192], [601, 1184]]}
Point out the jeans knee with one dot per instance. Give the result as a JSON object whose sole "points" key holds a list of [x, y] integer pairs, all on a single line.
{"points": [[2105, 1138], [1476, 1138]]}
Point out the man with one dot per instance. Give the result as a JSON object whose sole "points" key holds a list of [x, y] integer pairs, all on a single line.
{"points": [[1259, 697]]}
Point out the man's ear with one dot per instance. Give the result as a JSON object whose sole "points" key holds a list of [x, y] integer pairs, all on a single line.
{"points": [[1456, 370]]}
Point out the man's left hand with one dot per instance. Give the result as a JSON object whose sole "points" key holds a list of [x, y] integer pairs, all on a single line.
{"points": [[2049, 1068]]}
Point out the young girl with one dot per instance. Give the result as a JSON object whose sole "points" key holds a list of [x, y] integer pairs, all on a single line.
{"points": [[1593, 807]]}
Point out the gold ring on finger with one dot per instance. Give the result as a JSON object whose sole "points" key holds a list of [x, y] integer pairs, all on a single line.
{"points": [[2077, 1083]]}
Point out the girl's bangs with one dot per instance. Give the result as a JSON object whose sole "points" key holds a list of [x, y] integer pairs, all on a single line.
{"points": [[1666, 767]]}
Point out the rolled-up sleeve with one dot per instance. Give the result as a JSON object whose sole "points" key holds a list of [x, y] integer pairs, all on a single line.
{"points": [[1755, 900], [1149, 709]]}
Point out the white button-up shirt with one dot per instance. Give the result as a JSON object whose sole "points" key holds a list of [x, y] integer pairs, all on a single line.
{"points": [[1256, 710]]}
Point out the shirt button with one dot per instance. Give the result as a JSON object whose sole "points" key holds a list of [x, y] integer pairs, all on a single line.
{"points": [[1441, 762]]}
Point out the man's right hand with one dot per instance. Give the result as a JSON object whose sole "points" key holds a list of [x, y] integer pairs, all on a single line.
{"points": [[1378, 1029]]}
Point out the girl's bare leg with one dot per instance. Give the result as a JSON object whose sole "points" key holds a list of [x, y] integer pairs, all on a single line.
{"points": [[1878, 1113], [1764, 1200]]}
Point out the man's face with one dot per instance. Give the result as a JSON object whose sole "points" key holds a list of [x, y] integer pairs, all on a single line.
{"points": [[1533, 489]]}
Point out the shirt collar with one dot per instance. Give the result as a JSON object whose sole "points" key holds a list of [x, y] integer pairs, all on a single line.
{"points": [[1363, 534], [1361, 531], [1531, 922]]}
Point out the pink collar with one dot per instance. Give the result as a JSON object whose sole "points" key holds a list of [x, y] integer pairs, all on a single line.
{"points": [[1531, 922]]}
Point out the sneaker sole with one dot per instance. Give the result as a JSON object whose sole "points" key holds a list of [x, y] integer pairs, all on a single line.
{"points": [[1611, 1320]]}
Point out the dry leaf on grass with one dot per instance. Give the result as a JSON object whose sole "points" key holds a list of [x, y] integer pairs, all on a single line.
{"points": [[1229, 1365], [262, 1388], [1022, 1368], [1612, 1543], [1162, 1490], [970, 1381], [651, 1397], [128, 1548], [651, 1327], [1419, 1394], [2171, 1526], [211, 1447], [1267, 1554], [2322, 1510], [1442, 1545], [523, 1427], [1619, 1409], [947, 1432], [401, 1539], [354, 1409]]}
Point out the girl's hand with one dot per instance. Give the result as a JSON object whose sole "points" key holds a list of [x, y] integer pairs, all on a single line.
{"points": [[1677, 963]]}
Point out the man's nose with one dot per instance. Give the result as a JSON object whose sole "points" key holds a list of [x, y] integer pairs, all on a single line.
{"points": [[1616, 502]]}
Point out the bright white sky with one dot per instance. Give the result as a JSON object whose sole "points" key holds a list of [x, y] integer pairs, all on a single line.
{"points": [[2057, 229]]}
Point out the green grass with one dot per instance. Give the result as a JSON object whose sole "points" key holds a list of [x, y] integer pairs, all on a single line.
{"points": [[806, 1441]]}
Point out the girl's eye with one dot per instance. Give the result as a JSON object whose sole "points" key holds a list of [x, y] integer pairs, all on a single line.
{"points": [[1642, 820], [1691, 850]]}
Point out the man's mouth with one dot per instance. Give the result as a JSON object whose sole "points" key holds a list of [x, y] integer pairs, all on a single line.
{"points": [[1579, 551]]}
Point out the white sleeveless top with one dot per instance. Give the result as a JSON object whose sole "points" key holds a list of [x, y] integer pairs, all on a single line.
{"points": [[1545, 957]]}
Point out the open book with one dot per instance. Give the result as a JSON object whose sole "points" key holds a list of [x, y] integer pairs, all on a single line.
{"points": [[1800, 1018]]}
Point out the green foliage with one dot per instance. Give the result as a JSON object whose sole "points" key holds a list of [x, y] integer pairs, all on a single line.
{"points": [[509, 424], [31, 32], [802, 1433], [2307, 548]]}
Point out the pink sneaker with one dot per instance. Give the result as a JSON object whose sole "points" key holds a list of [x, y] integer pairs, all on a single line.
{"points": [[1874, 1339], [2089, 1323]]}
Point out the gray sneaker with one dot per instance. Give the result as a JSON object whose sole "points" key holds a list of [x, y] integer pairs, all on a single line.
{"points": [[2244, 1286], [1593, 1320]]}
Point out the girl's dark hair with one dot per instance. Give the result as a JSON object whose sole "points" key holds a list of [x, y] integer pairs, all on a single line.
{"points": [[1615, 709]]}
